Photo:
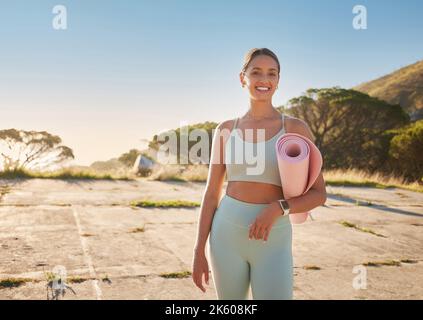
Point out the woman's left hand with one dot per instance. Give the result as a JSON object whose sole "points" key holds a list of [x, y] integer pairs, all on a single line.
{"points": [[262, 225]]}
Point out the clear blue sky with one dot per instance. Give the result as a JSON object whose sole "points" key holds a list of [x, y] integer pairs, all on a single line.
{"points": [[125, 70]]}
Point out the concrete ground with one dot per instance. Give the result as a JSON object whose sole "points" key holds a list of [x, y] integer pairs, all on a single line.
{"points": [[86, 227]]}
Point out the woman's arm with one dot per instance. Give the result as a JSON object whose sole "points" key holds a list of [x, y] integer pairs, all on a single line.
{"points": [[314, 197], [215, 180]]}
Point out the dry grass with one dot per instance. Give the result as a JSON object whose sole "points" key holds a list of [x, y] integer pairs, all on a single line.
{"points": [[65, 174], [352, 225], [311, 267], [197, 173], [167, 173], [137, 230], [350, 177], [165, 204], [13, 282], [77, 279], [382, 263], [354, 177], [409, 261], [194, 173], [182, 274], [4, 189]]}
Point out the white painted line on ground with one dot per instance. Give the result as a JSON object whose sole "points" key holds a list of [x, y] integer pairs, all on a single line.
{"points": [[87, 256]]}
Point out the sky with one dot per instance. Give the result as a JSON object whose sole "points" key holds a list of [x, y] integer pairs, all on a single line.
{"points": [[125, 70]]}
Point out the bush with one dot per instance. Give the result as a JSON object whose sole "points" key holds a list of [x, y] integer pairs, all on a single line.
{"points": [[406, 151]]}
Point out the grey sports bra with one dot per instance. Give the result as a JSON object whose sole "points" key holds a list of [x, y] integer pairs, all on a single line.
{"points": [[249, 161]]}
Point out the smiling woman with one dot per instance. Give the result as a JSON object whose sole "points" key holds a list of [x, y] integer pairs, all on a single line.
{"points": [[250, 208]]}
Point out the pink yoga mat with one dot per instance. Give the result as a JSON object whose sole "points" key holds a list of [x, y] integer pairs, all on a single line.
{"points": [[300, 163]]}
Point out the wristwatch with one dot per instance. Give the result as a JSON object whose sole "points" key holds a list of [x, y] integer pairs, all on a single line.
{"points": [[285, 206]]}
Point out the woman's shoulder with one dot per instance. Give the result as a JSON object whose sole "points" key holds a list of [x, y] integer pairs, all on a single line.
{"points": [[226, 124], [296, 125], [223, 130], [293, 123]]}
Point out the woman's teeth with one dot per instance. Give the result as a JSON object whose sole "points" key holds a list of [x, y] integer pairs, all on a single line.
{"points": [[262, 88]]}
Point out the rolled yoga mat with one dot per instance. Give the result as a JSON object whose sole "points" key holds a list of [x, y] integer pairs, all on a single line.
{"points": [[300, 163]]}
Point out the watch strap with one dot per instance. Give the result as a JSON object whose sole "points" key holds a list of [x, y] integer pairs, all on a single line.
{"points": [[284, 205]]}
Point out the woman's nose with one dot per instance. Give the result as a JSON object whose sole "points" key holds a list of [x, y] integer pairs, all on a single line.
{"points": [[265, 78]]}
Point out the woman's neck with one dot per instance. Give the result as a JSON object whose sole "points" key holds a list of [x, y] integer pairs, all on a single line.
{"points": [[261, 109]]}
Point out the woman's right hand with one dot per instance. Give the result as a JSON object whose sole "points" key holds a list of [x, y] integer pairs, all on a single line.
{"points": [[200, 267]]}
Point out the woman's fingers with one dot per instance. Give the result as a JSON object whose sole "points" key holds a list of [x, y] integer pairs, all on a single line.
{"points": [[252, 230], [260, 231], [266, 234], [206, 276], [198, 281], [257, 231], [200, 266], [197, 276]]}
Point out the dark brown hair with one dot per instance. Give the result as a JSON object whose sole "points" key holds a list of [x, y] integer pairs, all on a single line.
{"points": [[252, 53]]}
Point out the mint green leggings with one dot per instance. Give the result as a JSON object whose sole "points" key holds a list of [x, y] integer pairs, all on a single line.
{"points": [[236, 262]]}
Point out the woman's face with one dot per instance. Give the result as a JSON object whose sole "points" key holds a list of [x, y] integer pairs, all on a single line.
{"points": [[261, 77]]}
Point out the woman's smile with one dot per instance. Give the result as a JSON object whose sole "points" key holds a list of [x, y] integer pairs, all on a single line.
{"points": [[262, 89]]}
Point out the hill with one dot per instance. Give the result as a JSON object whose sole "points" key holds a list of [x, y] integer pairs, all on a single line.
{"points": [[403, 87]]}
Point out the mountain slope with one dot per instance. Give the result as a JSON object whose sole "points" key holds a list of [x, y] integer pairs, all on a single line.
{"points": [[404, 87]]}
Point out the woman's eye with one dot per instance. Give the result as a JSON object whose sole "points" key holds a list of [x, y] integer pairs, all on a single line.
{"points": [[256, 73]]}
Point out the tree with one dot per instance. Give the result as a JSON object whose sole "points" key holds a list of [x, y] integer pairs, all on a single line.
{"points": [[406, 151], [21, 149], [128, 158], [348, 125], [207, 127]]}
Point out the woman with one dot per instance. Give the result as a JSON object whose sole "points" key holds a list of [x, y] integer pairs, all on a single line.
{"points": [[250, 237]]}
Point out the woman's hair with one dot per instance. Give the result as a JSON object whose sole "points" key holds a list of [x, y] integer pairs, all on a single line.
{"points": [[252, 53]]}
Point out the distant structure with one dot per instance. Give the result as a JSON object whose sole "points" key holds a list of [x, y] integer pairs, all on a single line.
{"points": [[143, 165]]}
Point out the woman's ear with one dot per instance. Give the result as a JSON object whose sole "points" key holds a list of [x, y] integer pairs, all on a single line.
{"points": [[241, 78]]}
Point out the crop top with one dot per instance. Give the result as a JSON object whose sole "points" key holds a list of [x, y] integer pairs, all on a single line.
{"points": [[249, 161]]}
